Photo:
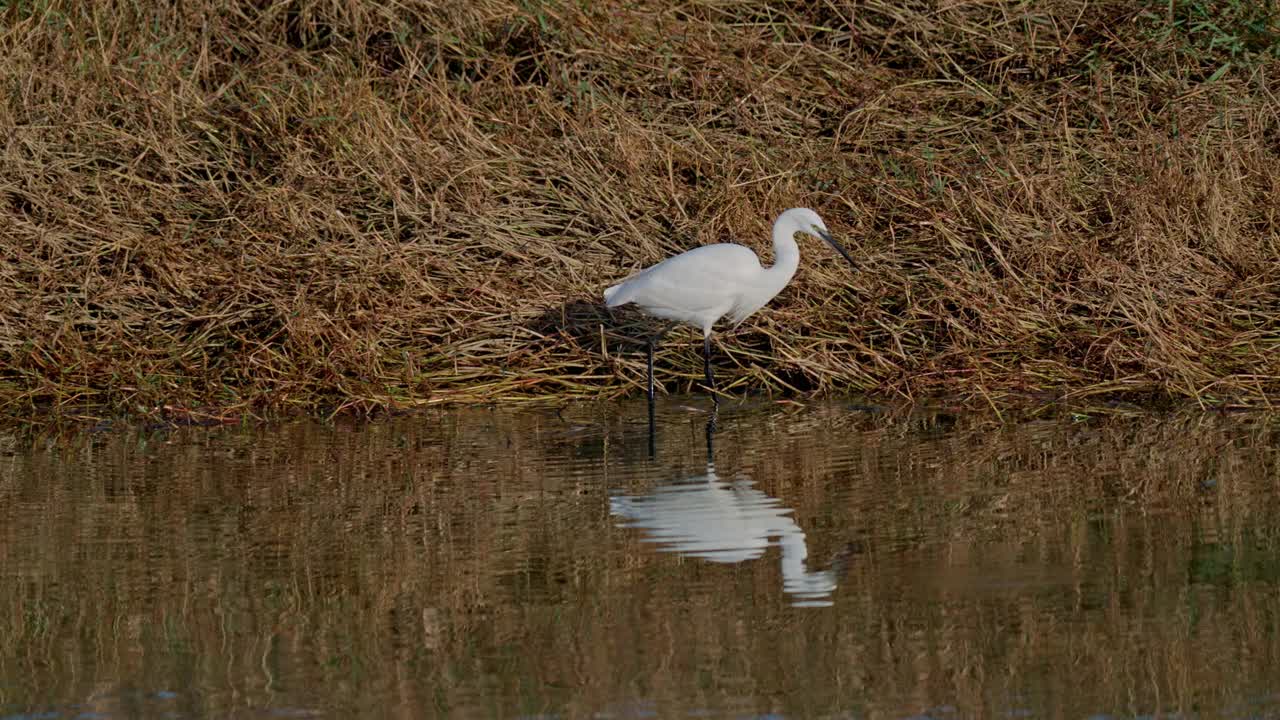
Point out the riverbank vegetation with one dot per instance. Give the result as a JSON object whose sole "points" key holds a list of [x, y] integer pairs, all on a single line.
{"points": [[305, 205]]}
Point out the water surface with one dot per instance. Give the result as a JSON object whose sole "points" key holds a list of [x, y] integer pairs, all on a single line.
{"points": [[822, 561]]}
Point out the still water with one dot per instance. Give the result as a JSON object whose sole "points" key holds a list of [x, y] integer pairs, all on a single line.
{"points": [[822, 561]]}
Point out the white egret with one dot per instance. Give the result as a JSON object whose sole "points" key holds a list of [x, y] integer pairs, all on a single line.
{"points": [[702, 285], [729, 522]]}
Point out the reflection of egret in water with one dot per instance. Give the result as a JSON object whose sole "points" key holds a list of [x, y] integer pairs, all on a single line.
{"points": [[726, 522]]}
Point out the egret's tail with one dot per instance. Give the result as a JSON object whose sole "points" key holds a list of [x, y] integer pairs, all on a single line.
{"points": [[613, 298]]}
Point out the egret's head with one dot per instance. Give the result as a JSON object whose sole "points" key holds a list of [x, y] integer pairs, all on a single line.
{"points": [[807, 221]]}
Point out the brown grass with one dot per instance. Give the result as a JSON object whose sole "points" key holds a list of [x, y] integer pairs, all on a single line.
{"points": [[304, 204]]}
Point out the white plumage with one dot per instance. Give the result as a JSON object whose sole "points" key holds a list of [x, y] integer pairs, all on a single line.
{"points": [[726, 522], [700, 286]]}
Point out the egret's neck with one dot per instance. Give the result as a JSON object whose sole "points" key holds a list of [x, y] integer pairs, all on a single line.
{"points": [[786, 254], [795, 577]]}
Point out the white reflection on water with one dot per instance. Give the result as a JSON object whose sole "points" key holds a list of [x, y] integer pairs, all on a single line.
{"points": [[727, 522]]}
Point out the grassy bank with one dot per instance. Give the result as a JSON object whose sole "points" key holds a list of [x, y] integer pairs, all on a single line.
{"points": [[322, 204]]}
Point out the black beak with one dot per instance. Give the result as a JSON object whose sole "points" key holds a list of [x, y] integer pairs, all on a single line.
{"points": [[832, 242]]}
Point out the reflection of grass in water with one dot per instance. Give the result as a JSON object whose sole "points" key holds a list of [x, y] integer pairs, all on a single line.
{"points": [[435, 559], [1252, 560], [1213, 564]]}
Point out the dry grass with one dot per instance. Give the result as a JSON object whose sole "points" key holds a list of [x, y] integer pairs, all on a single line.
{"points": [[309, 203]]}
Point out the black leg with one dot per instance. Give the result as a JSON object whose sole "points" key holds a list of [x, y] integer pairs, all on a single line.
{"points": [[653, 433], [652, 344], [653, 430], [711, 431], [711, 378]]}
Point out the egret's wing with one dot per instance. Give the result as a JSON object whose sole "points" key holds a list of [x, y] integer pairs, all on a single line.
{"points": [[699, 280]]}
